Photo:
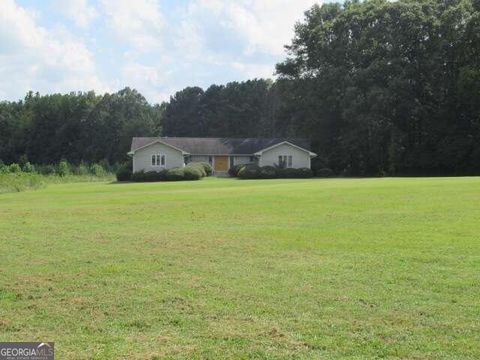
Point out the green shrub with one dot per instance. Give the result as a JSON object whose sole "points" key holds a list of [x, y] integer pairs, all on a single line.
{"points": [[14, 168], [152, 176], [207, 167], [193, 173], [81, 169], [198, 166], [324, 172], [234, 170], [22, 160], [175, 174], [304, 173], [63, 168], [97, 170], [291, 173], [250, 171], [149, 176], [3, 167], [268, 172], [124, 173], [105, 166], [46, 170], [138, 176], [28, 167]]}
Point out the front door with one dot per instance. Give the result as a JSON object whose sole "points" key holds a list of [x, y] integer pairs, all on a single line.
{"points": [[221, 163]]}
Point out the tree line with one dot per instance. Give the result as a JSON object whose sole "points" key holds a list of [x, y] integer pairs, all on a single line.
{"points": [[378, 87], [78, 127]]}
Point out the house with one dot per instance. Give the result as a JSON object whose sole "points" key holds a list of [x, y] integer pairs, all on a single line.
{"points": [[156, 153]]}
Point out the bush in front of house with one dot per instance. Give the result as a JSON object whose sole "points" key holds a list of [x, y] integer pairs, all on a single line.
{"points": [[291, 173], [148, 176], [193, 173], [175, 174], [138, 176], [197, 167], [303, 173], [250, 171], [234, 170], [324, 172], [206, 167], [270, 172], [124, 173], [152, 176]]}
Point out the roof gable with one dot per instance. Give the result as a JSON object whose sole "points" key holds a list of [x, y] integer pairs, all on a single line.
{"points": [[145, 142], [285, 143]]}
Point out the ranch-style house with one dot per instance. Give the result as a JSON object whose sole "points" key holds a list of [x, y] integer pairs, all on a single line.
{"points": [[156, 153]]}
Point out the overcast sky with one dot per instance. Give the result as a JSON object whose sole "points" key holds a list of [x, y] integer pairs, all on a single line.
{"points": [[155, 46]]}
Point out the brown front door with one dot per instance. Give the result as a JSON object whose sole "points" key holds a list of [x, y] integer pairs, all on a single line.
{"points": [[221, 163]]}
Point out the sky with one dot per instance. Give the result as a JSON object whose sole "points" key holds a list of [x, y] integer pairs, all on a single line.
{"points": [[155, 46]]}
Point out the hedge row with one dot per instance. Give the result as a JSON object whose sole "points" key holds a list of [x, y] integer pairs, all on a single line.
{"points": [[251, 171], [192, 171], [270, 172]]}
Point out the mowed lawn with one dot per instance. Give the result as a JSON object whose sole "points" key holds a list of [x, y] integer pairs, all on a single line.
{"points": [[224, 268]]}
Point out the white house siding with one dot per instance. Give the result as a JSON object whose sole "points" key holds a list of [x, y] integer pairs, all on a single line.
{"points": [[300, 158], [142, 159]]}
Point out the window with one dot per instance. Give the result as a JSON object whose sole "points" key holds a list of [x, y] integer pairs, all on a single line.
{"points": [[253, 159], [158, 160], [285, 161], [232, 161], [210, 160]]}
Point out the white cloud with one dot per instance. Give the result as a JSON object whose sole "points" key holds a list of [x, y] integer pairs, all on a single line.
{"points": [[137, 22], [79, 11], [34, 58], [266, 25], [145, 78], [252, 71]]}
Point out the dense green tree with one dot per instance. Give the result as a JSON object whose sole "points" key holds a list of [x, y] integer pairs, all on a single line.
{"points": [[237, 109], [382, 80], [182, 114]]}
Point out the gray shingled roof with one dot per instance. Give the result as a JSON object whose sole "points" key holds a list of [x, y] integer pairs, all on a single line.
{"points": [[218, 146]]}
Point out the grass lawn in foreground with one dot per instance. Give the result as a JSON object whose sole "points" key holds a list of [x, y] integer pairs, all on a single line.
{"points": [[224, 268]]}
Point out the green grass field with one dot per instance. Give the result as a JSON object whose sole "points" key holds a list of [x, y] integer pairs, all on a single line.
{"points": [[223, 268]]}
